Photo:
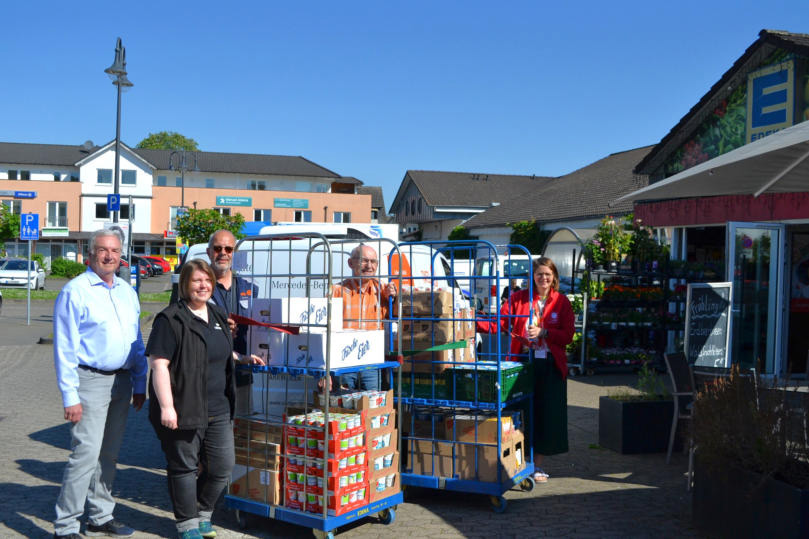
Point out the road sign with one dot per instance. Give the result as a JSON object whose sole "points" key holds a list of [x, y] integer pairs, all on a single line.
{"points": [[29, 226], [113, 202]]}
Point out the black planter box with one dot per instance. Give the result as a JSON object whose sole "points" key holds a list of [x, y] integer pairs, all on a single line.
{"points": [[732, 502], [634, 426]]}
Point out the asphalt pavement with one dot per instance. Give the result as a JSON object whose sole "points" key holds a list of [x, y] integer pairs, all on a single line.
{"points": [[592, 492]]}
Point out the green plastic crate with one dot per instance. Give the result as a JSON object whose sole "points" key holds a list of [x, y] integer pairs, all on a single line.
{"points": [[422, 386], [516, 380]]}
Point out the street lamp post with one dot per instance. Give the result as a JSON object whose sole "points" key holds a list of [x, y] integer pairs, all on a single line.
{"points": [[184, 158], [117, 72]]}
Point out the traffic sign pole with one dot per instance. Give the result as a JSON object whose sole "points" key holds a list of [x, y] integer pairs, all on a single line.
{"points": [[29, 230]]}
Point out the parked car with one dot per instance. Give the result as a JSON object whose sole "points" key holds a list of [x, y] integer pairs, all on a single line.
{"points": [[144, 267], [1, 302], [14, 272], [162, 261], [154, 267]]}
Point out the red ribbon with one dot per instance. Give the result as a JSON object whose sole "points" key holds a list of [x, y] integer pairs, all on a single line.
{"points": [[283, 328]]}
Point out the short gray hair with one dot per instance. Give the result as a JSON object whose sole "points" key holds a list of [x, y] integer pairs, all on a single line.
{"points": [[115, 232]]}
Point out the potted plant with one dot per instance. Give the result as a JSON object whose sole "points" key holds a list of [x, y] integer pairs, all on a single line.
{"points": [[751, 473], [637, 421]]}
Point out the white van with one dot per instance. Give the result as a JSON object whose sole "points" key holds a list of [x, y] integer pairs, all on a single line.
{"points": [[493, 272]]}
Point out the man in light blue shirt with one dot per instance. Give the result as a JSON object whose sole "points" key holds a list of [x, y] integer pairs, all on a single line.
{"points": [[100, 365]]}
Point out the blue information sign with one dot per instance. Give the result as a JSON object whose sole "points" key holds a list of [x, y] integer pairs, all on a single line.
{"points": [[113, 202], [25, 194], [29, 226]]}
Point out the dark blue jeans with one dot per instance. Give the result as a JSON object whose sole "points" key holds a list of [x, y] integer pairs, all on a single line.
{"points": [[368, 380], [183, 449]]}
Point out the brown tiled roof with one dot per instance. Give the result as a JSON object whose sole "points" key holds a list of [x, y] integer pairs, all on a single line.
{"points": [[377, 198], [763, 47], [582, 194], [465, 189]]}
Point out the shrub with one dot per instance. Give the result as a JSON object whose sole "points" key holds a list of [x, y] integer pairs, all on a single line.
{"points": [[746, 422], [62, 267]]}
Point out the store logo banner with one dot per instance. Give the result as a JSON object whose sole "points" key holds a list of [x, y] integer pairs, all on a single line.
{"points": [[770, 100]]}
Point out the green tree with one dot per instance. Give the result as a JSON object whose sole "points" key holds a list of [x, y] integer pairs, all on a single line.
{"points": [[168, 140], [9, 226], [196, 226], [529, 235], [460, 233]]}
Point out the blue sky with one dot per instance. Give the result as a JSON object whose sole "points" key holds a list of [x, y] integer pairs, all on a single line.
{"points": [[373, 88]]}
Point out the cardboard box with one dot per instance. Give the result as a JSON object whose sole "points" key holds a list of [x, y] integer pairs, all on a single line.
{"points": [[347, 348], [256, 484], [436, 362], [447, 459], [271, 394], [258, 429], [462, 427], [422, 424], [425, 330], [257, 453], [432, 303], [392, 486], [293, 310]]}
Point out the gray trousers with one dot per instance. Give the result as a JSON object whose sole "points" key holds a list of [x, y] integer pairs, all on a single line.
{"points": [[95, 441]]}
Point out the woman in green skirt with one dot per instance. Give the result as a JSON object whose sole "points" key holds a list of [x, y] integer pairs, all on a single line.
{"points": [[540, 322]]}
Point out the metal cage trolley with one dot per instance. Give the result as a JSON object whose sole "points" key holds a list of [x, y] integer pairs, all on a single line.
{"points": [[307, 452], [467, 411]]}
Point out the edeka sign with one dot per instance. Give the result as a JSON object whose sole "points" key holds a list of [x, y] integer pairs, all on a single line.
{"points": [[770, 100], [234, 201]]}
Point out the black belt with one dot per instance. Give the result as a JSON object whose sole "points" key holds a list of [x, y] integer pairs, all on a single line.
{"points": [[99, 371]]}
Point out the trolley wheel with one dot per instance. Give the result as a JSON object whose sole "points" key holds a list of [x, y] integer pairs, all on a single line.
{"points": [[321, 534], [590, 372], [527, 484], [242, 519], [499, 504], [387, 515], [572, 371]]}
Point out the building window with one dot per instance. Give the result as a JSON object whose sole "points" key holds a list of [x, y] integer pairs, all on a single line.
{"points": [[223, 211], [101, 210], [13, 206], [57, 214], [128, 177], [173, 217], [57, 177], [139, 247], [161, 181], [412, 207], [25, 174], [12, 174], [104, 175], [74, 178], [259, 185], [262, 215], [342, 217], [374, 215], [178, 181], [303, 216], [209, 183], [420, 206], [124, 214]]}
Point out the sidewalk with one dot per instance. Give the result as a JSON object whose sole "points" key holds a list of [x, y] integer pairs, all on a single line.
{"points": [[592, 492]]}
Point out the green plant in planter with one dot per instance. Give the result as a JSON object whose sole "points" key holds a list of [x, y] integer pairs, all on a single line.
{"points": [[650, 386]]}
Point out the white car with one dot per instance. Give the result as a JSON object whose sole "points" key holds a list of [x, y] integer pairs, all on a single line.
{"points": [[14, 272]]}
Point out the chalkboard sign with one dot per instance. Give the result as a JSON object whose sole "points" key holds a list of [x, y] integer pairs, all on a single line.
{"points": [[707, 324]]}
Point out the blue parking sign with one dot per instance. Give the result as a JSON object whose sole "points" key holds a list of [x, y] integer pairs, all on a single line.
{"points": [[113, 202], [29, 226]]}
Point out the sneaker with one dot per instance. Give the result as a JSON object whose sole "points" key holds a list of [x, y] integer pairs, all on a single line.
{"points": [[206, 529], [68, 536], [111, 528], [193, 533]]}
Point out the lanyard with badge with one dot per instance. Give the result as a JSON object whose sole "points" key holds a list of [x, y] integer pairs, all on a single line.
{"points": [[540, 350]]}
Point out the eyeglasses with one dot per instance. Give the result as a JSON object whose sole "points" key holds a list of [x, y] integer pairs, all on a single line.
{"points": [[371, 261], [219, 248]]}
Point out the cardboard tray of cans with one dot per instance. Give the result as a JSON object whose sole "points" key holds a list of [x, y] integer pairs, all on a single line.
{"points": [[314, 466], [339, 502], [372, 402]]}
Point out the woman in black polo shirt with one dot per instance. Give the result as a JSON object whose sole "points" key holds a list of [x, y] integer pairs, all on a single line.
{"points": [[192, 398]]}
